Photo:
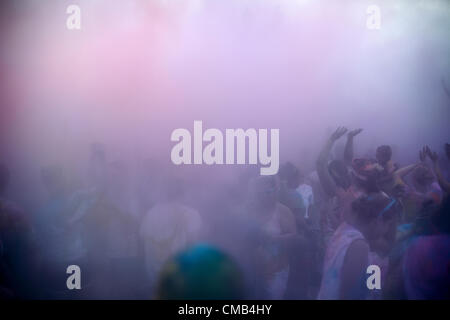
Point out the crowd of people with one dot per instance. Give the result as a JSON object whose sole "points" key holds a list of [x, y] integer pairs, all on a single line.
{"points": [[288, 236]]}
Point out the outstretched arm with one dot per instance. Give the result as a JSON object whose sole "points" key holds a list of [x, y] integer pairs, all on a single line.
{"points": [[348, 153], [322, 162], [402, 172]]}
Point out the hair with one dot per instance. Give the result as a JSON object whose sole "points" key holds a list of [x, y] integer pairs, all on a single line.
{"points": [[366, 174], [289, 172], [200, 272], [4, 178]]}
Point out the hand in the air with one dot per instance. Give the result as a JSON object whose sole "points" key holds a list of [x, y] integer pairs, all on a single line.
{"points": [[338, 133], [355, 132]]}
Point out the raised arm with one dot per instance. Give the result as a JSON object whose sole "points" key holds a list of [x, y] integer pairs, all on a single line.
{"points": [[348, 152], [325, 179], [400, 173]]}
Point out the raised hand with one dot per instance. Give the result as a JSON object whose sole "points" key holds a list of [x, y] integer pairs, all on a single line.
{"points": [[338, 133], [355, 132]]}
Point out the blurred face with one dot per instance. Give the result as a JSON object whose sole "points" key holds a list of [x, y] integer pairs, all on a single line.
{"points": [[368, 168], [291, 175], [265, 192]]}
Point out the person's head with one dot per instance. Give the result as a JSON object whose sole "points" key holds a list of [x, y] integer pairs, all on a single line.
{"points": [[263, 191], [200, 272], [366, 173], [289, 173], [4, 178], [383, 154], [53, 179], [423, 176], [375, 214], [338, 171]]}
